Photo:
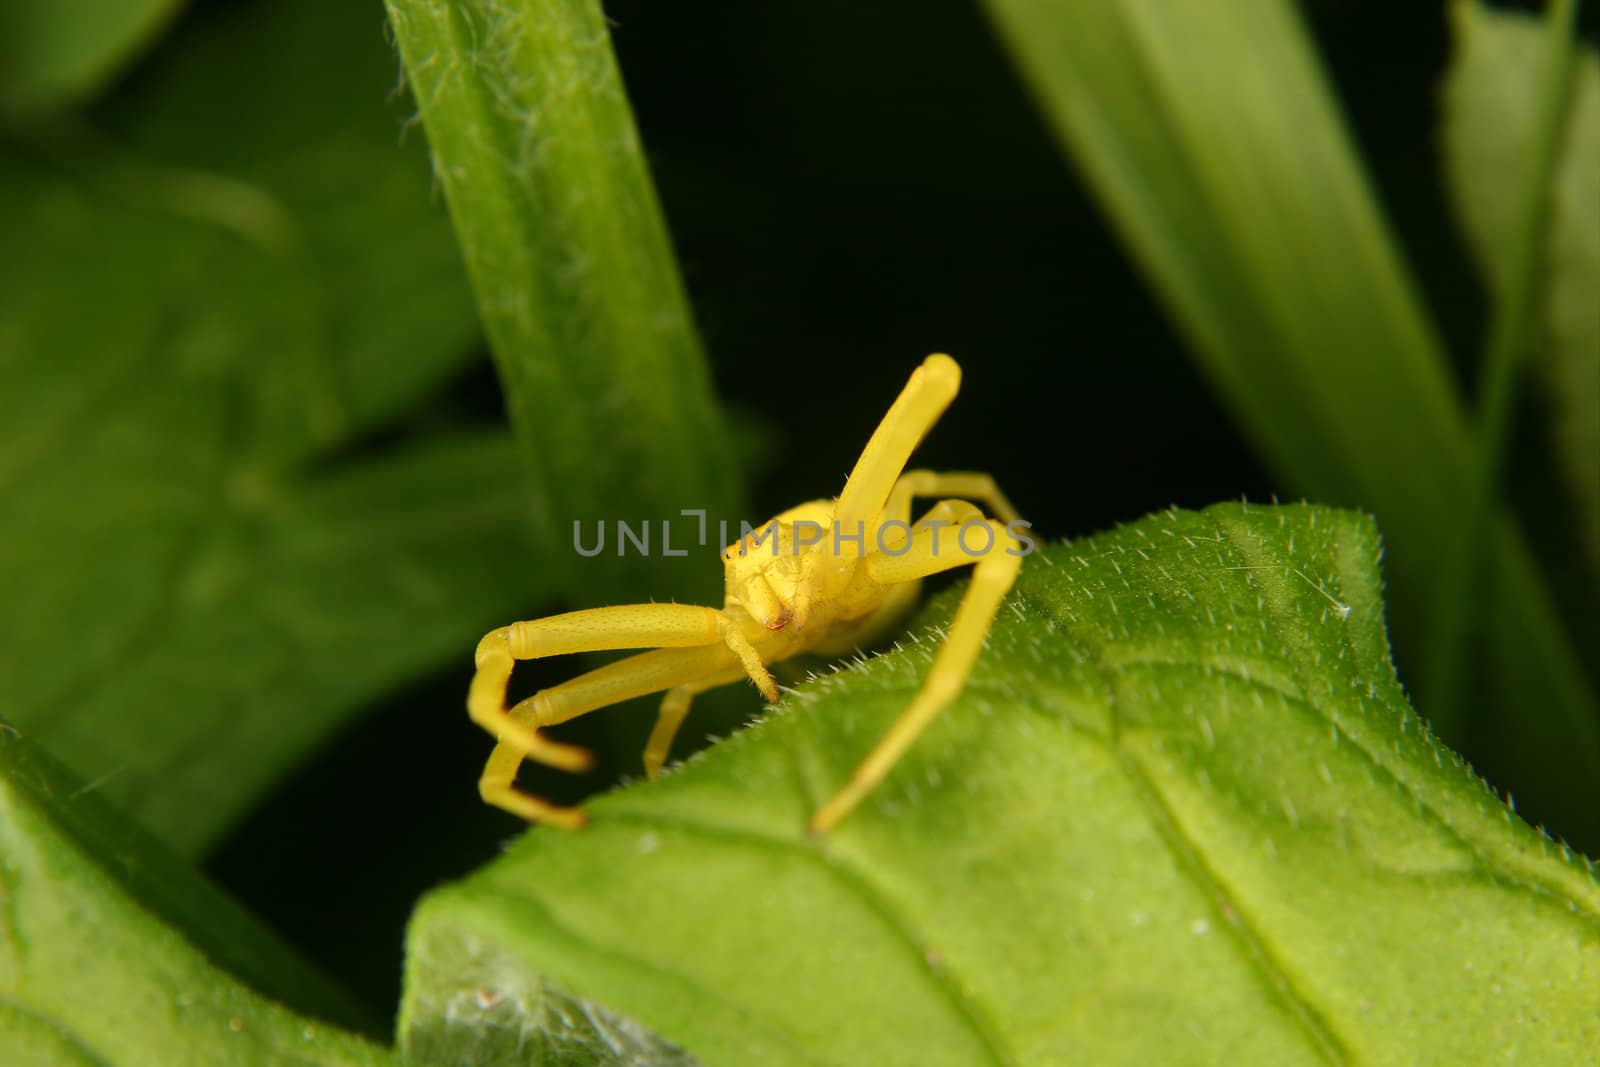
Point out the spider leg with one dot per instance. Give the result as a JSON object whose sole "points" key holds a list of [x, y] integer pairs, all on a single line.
{"points": [[949, 515], [593, 630], [497, 786], [674, 708], [995, 571], [691, 641], [648, 672], [932, 387], [968, 485]]}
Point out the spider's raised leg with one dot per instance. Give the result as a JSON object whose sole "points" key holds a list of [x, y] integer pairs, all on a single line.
{"points": [[674, 709], [992, 577], [648, 672], [932, 387]]}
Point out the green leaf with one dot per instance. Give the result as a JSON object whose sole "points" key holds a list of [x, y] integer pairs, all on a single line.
{"points": [[208, 593], [53, 53], [1210, 136], [535, 148], [1182, 813], [113, 952], [349, 303], [1491, 102], [268, 618]]}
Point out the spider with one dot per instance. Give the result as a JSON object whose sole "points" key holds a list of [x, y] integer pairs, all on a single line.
{"points": [[828, 576]]}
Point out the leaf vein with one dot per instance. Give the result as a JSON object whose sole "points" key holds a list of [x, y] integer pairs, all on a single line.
{"points": [[521, 900], [1191, 861], [1282, 606], [858, 885]]}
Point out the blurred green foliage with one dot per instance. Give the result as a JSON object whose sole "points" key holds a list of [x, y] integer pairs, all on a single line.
{"points": [[1493, 115], [1242, 198], [260, 498], [205, 315], [112, 950], [56, 54]]}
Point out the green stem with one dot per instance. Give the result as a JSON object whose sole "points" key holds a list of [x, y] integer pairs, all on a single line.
{"points": [[1509, 340], [587, 319]]}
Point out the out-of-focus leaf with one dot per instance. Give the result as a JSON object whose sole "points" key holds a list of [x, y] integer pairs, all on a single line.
{"points": [[1209, 134], [281, 123], [1491, 111], [1182, 813], [53, 52], [113, 952], [204, 595], [534, 145], [266, 612]]}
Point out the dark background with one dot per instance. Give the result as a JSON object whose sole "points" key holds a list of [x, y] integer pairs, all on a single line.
{"points": [[851, 186]]}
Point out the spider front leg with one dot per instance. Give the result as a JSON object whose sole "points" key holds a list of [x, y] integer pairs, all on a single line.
{"points": [[693, 642], [995, 572], [674, 709], [932, 387]]}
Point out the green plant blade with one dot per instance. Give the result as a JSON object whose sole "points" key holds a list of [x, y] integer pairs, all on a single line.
{"points": [[1209, 135], [337, 281], [1490, 102], [1182, 813], [112, 952], [535, 148], [1444, 677], [263, 629], [54, 53], [203, 592]]}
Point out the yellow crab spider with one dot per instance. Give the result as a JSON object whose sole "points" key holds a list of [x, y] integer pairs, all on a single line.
{"points": [[827, 576]]}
